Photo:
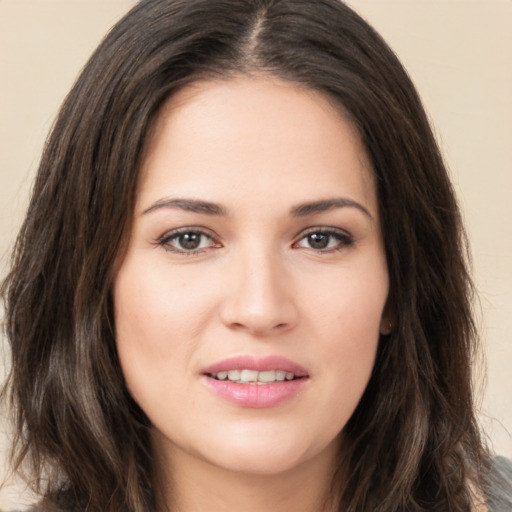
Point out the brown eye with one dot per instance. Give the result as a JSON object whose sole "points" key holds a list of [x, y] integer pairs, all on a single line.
{"points": [[325, 240], [318, 240], [187, 241]]}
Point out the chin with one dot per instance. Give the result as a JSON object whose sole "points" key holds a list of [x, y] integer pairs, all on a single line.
{"points": [[256, 464], [267, 455]]}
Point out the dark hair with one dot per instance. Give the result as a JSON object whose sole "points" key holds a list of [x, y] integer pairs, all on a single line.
{"points": [[84, 438]]}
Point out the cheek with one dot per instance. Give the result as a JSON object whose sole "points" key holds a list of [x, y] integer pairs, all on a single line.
{"points": [[154, 312], [350, 348], [347, 321], [348, 306], [158, 321], [152, 347]]}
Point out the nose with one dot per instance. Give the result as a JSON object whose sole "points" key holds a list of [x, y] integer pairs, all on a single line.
{"points": [[259, 296]]}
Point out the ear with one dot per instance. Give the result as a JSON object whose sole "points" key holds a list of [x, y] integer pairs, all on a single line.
{"points": [[386, 327], [387, 321]]}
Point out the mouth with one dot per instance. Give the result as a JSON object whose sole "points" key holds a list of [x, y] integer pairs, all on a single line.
{"points": [[256, 370], [254, 377], [251, 382]]}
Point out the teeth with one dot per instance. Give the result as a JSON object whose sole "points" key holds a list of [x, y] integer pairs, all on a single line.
{"points": [[248, 376], [267, 376], [234, 375], [280, 375], [254, 377]]}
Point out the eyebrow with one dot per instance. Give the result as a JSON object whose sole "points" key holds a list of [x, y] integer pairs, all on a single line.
{"points": [[189, 205], [323, 205], [301, 210]]}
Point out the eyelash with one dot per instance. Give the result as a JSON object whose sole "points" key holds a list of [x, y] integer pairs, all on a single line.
{"points": [[166, 240], [343, 239]]}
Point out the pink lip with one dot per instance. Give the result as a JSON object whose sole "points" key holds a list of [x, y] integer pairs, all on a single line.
{"points": [[254, 395], [257, 364]]}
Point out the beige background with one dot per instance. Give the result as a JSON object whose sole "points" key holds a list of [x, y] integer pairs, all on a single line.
{"points": [[459, 54]]}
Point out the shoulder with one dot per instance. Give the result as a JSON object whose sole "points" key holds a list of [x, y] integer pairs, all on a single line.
{"points": [[499, 493]]}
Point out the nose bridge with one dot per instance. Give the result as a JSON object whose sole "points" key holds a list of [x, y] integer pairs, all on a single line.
{"points": [[260, 296]]}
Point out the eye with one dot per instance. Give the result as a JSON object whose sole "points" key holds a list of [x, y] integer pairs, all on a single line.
{"points": [[187, 241], [325, 240]]}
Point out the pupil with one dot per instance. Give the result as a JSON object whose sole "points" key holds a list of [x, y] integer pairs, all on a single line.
{"points": [[318, 240], [190, 240]]}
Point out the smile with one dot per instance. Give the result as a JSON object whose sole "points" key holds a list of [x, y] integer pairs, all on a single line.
{"points": [[256, 382], [254, 377]]}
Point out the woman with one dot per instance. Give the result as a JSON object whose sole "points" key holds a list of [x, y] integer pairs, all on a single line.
{"points": [[241, 279]]}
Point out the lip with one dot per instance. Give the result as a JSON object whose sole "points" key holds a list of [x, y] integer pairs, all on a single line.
{"points": [[258, 364], [252, 395]]}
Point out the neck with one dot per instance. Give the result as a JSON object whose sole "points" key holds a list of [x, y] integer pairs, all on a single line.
{"points": [[193, 485]]}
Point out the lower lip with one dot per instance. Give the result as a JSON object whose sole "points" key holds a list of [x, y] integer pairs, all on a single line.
{"points": [[256, 396]]}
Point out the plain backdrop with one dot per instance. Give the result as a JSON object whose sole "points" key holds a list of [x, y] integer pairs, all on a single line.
{"points": [[458, 53]]}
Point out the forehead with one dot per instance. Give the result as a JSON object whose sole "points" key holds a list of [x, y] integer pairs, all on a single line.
{"points": [[255, 136]]}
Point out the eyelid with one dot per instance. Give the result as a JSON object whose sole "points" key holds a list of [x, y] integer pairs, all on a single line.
{"points": [[324, 230]]}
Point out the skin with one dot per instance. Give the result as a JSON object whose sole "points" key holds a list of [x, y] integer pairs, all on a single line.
{"points": [[254, 286]]}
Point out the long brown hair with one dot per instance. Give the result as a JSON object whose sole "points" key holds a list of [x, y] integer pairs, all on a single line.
{"points": [[413, 443]]}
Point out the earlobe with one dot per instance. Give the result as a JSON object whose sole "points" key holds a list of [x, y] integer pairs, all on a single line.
{"points": [[387, 321], [386, 326]]}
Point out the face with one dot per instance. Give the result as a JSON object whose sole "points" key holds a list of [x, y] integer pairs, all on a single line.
{"points": [[250, 298]]}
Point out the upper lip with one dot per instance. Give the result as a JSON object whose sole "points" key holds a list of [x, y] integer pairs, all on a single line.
{"points": [[259, 364]]}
